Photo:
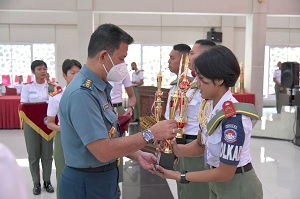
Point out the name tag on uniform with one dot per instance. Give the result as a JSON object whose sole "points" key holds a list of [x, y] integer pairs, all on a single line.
{"points": [[105, 107]]}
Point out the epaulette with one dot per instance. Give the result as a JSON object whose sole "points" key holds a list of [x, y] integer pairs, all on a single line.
{"points": [[174, 82], [28, 83], [229, 111], [58, 90], [190, 79], [87, 83], [194, 85], [51, 83]]}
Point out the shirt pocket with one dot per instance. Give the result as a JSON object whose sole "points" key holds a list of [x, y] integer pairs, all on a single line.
{"points": [[214, 143], [33, 95]]}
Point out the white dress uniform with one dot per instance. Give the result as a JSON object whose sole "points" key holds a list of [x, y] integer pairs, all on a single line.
{"points": [[194, 100], [53, 111], [53, 105], [198, 190], [34, 92], [116, 92], [18, 87], [277, 75], [214, 142], [230, 144], [137, 76]]}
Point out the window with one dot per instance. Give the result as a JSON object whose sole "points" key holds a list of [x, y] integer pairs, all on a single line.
{"points": [[15, 59]]}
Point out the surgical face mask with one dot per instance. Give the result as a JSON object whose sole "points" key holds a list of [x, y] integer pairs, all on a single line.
{"points": [[117, 73]]}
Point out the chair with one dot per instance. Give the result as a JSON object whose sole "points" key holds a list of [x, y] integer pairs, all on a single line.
{"points": [[11, 91]]}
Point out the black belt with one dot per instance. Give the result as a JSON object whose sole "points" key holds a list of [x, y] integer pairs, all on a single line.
{"points": [[189, 137], [118, 104], [103, 168], [246, 168]]}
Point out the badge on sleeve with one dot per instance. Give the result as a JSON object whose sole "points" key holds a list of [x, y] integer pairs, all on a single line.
{"points": [[229, 109], [112, 132]]}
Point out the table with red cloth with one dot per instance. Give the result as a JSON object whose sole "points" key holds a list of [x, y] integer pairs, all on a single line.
{"points": [[9, 116], [245, 97]]}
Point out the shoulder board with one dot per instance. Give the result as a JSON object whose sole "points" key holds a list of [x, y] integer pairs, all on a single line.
{"points": [[173, 82], [51, 83], [56, 92], [240, 108], [87, 83], [190, 78], [28, 83], [194, 85]]}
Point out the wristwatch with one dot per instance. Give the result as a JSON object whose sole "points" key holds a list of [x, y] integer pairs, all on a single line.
{"points": [[148, 136], [132, 107], [183, 178]]}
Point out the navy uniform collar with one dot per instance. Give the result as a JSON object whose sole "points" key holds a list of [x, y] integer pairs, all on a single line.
{"points": [[97, 81]]}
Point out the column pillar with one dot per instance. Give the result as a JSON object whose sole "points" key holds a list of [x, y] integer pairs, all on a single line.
{"points": [[255, 52]]}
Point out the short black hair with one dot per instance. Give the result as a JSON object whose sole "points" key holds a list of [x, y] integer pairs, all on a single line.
{"points": [[68, 64], [218, 62], [205, 42], [107, 37], [37, 63], [182, 48]]}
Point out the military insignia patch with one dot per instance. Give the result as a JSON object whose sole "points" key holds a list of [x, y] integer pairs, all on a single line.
{"points": [[87, 83], [229, 109], [105, 107]]}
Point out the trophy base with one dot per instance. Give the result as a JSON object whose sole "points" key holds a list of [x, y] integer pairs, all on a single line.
{"points": [[180, 141], [166, 160]]}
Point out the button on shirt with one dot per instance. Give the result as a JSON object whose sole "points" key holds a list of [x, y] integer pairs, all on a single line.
{"points": [[53, 105], [192, 109], [116, 92], [86, 116], [277, 75], [34, 93], [235, 151]]}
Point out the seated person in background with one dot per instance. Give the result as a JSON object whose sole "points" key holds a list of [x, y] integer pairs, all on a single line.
{"points": [[2, 89], [19, 84]]}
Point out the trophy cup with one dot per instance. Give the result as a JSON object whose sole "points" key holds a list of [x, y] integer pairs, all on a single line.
{"points": [[184, 86], [165, 158]]}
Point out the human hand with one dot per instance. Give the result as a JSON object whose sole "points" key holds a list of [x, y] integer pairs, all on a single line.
{"points": [[281, 89], [164, 129], [165, 173], [146, 160], [128, 111]]}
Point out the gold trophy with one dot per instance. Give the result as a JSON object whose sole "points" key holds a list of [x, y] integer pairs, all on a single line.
{"points": [[184, 86], [165, 158], [242, 87]]}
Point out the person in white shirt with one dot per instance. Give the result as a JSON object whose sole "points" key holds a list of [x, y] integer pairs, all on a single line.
{"points": [[116, 96], [227, 146], [38, 148], [19, 84], [137, 80], [195, 189], [70, 68], [278, 88]]}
